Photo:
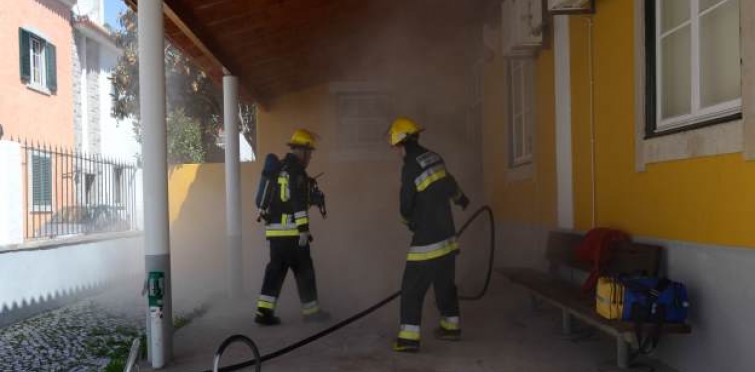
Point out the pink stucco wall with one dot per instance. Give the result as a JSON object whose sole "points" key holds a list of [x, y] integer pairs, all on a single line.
{"points": [[25, 112]]}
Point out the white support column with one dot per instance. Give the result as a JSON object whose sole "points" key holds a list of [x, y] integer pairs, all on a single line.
{"points": [[565, 188], [232, 184], [154, 150]]}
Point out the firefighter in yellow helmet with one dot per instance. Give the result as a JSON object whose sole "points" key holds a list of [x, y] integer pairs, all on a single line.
{"points": [[426, 191], [287, 230]]}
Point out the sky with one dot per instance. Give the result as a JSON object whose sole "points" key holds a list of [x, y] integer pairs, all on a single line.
{"points": [[112, 9]]}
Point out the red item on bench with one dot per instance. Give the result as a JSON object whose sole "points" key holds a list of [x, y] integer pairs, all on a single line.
{"points": [[595, 249]]}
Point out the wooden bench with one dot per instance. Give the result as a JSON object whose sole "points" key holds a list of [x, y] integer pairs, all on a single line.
{"points": [[627, 258]]}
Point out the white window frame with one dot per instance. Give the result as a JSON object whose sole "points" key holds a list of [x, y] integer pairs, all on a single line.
{"points": [[518, 95], [729, 137], [697, 113], [39, 83]]}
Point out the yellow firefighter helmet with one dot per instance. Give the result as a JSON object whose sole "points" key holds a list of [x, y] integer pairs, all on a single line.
{"points": [[303, 138], [401, 129]]}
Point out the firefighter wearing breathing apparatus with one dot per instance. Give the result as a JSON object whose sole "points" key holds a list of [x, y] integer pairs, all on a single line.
{"points": [[284, 199], [426, 191]]}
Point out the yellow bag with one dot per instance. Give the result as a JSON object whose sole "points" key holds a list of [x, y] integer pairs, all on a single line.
{"points": [[609, 298]]}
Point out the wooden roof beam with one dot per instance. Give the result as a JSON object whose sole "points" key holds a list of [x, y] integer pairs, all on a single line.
{"points": [[185, 21]]}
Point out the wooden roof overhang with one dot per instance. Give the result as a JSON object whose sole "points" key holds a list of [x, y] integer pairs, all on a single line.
{"points": [[280, 46]]}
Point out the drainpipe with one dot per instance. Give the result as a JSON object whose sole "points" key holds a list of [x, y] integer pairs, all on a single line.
{"points": [[565, 189], [155, 183], [232, 183]]}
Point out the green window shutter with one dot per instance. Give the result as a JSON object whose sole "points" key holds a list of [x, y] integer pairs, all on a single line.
{"points": [[23, 52], [36, 182], [41, 180], [47, 183], [52, 77]]}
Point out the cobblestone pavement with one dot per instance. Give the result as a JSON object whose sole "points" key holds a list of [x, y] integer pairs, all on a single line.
{"points": [[84, 336]]}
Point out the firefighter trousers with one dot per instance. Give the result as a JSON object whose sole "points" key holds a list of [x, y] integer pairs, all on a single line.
{"points": [[285, 253], [418, 276]]}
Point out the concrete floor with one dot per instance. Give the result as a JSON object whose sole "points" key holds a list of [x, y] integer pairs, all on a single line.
{"points": [[501, 332]]}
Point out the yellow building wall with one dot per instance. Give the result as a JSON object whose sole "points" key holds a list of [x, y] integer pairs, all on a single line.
{"points": [[531, 200], [705, 200]]}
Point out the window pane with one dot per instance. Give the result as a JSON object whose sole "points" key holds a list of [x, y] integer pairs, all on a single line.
{"points": [[719, 55], [517, 136], [528, 86], [705, 4], [675, 73], [36, 61], [349, 107], [516, 91], [673, 13], [369, 130], [528, 125]]}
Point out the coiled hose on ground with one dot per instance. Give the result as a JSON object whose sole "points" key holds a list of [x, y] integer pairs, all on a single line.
{"points": [[257, 361]]}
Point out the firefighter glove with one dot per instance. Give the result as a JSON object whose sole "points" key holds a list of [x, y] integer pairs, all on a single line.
{"points": [[463, 202], [304, 238]]}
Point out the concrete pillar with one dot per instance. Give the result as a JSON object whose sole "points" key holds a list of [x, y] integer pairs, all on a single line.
{"points": [[232, 183], [154, 150]]}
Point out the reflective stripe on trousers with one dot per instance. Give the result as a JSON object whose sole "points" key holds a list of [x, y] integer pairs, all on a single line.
{"points": [[450, 323], [409, 332], [310, 308], [266, 302], [430, 251]]}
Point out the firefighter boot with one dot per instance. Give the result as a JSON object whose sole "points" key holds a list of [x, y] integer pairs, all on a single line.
{"points": [[317, 317], [265, 317], [447, 334], [405, 346]]}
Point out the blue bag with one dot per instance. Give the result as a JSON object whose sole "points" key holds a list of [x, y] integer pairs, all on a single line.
{"points": [[656, 301]]}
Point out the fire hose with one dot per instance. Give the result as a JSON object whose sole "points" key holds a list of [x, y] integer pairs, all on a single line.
{"points": [[258, 360]]}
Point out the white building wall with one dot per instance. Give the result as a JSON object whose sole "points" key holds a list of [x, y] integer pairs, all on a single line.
{"points": [[11, 195], [35, 280], [94, 9], [98, 131], [246, 153], [118, 140]]}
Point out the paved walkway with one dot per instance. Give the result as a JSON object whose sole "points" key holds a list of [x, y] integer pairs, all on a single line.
{"points": [[501, 333], [80, 337]]}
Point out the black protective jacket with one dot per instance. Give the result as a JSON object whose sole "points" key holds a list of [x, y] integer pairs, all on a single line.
{"points": [[288, 214], [427, 188]]}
